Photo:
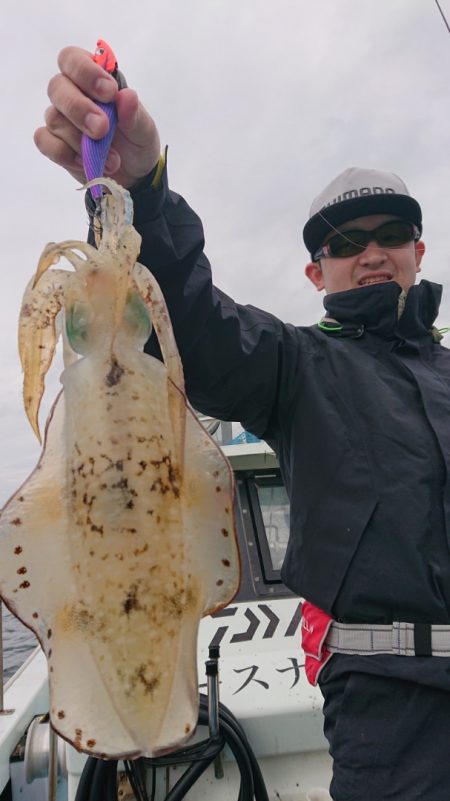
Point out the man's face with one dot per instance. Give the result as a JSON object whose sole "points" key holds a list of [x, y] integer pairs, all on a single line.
{"points": [[372, 265]]}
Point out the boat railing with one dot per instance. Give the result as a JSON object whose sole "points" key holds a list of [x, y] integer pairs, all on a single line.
{"points": [[220, 430], [2, 695], [3, 711]]}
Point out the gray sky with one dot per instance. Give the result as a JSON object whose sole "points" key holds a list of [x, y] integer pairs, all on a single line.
{"points": [[261, 104]]}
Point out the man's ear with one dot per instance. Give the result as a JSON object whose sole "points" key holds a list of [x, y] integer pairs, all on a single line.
{"points": [[313, 271], [420, 250]]}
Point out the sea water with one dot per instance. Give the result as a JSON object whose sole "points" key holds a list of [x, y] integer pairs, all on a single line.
{"points": [[18, 642]]}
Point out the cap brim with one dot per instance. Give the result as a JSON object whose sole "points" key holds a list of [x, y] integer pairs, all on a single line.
{"points": [[320, 224]]}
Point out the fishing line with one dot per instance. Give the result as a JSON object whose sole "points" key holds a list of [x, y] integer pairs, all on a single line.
{"points": [[336, 230], [347, 238], [329, 224], [442, 15]]}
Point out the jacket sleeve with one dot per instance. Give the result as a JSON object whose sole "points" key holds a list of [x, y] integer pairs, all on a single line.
{"points": [[232, 354]]}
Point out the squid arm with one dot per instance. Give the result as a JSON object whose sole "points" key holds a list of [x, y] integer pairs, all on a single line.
{"points": [[53, 252], [43, 299], [37, 338], [151, 293]]}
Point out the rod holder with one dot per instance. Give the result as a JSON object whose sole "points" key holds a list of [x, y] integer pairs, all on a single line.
{"points": [[3, 711], [212, 678]]}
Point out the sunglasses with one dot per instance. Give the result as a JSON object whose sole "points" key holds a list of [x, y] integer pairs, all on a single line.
{"points": [[392, 234]]}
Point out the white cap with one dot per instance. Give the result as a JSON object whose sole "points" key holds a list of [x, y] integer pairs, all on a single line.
{"points": [[356, 193]]}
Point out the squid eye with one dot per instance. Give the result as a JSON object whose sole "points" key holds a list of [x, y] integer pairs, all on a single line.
{"points": [[78, 320], [137, 317]]}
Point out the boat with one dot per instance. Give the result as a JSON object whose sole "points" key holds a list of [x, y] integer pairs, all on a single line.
{"points": [[249, 657]]}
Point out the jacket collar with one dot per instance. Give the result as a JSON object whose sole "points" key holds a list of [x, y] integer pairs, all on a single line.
{"points": [[376, 309]]}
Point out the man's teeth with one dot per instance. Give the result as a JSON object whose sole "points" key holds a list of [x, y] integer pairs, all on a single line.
{"points": [[378, 279]]}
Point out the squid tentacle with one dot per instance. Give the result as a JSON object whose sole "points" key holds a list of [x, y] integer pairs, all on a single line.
{"points": [[38, 337]]}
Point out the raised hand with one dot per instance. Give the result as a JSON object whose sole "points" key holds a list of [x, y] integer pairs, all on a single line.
{"points": [[73, 91]]}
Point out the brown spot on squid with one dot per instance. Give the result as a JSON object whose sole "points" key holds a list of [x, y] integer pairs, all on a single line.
{"points": [[115, 374]]}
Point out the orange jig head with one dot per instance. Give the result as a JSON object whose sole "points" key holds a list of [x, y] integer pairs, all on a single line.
{"points": [[104, 56]]}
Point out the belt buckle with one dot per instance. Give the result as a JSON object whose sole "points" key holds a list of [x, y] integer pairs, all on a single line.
{"points": [[422, 639], [411, 639]]}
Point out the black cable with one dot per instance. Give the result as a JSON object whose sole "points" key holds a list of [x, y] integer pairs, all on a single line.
{"points": [[240, 753], [188, 779], [442, 15], [134, 773], [260, 787], [110, 782], [98, 781], [153, 784], [252, 782], [105, 781], [84, 785], [198, 757]]}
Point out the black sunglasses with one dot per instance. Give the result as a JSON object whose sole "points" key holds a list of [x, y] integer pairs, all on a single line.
{"points": [[392, 234]]}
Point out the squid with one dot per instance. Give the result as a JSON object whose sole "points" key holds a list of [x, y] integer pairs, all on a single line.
{"points": [[123, 536]]}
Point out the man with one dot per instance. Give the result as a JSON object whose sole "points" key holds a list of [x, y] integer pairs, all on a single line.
{"points": [[357, 410], [339, 205]]}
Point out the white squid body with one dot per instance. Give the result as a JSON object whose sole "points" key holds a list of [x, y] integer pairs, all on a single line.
{"points": [[123, 536]]}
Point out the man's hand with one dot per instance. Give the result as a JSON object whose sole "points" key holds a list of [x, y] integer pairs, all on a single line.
{"points": [[135, 148]]}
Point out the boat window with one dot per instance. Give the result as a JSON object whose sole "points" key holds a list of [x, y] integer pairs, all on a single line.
{"points": [[274, 506], [263, 526]]}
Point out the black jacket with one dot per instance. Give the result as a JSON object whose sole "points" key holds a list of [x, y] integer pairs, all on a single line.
{"points": [[359, 421]]}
